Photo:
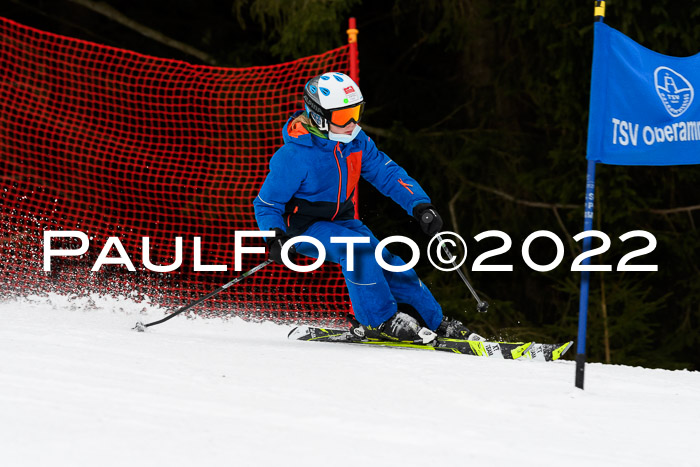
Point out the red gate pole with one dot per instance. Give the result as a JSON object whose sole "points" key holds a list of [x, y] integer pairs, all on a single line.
{"points": [[352, 40], [355, 75]]}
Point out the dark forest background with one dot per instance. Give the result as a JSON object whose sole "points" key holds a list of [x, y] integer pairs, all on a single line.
{"points": [[486, 104]]}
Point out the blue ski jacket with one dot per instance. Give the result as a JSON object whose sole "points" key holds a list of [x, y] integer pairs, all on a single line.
{"points": [[313, 178]]}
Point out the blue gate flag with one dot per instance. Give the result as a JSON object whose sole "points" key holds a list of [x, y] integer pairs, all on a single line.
{"points": [[643, 109]]}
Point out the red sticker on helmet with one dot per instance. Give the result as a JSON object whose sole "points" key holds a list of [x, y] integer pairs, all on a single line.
{"points": [[349, 89]]}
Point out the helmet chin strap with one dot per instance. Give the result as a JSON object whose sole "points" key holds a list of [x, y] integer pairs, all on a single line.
{"points": [[344, 138]]}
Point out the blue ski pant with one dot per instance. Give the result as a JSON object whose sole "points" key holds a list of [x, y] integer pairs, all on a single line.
{"points": [[374, 291]]}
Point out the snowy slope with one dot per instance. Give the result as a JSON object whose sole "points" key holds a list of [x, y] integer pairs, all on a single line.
{"points": [[78, 387]]}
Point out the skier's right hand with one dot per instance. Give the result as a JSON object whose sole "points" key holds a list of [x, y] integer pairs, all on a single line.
{"points": [[274, 246]]}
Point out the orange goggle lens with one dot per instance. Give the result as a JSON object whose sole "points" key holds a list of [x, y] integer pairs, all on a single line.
{"points": [[343, 117]]}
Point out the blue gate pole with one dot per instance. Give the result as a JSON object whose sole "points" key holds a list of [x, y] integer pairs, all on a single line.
{"points": [[598, 16], [585, 276]]}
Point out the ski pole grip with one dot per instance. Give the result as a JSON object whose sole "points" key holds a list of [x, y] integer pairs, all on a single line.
{"points": [[427, 217]]}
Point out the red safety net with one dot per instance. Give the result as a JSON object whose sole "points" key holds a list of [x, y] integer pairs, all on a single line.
{"points": [[118, 144]]}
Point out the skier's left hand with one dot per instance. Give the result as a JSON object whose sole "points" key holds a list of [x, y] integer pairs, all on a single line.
{"points": [[428, 217]]}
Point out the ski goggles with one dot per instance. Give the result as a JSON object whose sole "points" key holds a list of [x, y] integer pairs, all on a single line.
{"points": [[343, 117]]}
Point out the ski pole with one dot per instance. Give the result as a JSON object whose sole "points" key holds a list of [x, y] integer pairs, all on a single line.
{"points": [[481, 306], [141, 327]]}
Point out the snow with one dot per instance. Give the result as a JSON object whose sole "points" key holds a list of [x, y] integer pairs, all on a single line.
{"points": [[79, 387]]}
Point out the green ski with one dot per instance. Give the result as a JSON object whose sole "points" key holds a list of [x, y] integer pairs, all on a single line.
{"points": [[506, 350]]}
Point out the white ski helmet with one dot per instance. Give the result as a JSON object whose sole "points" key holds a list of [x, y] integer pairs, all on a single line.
{"points": [[333, 98]]}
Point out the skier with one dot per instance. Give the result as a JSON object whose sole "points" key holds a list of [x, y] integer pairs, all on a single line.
{"points": [[309, 190]]}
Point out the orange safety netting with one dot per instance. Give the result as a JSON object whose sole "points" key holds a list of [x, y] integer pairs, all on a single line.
{"points": [[118, 144]]}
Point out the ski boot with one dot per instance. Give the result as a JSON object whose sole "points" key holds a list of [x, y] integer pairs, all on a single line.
{"points": [[454, 329], [400, 327], [355, 327]]}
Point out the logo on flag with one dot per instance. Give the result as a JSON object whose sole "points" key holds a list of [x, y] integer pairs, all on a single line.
{"points": [[627, 124], [674, 90], [349, 89]]}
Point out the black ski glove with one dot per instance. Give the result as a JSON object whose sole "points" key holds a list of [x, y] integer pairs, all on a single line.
{"points": [[430, 221], [274, 246]]}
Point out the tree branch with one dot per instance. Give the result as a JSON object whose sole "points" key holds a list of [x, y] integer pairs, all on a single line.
{"points": [[534, 204], [675, 210], [111, 13], [524, 202], [573, 247]]}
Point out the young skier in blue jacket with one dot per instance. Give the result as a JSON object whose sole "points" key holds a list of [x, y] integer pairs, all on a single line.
{"points": [[309, 190]]}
